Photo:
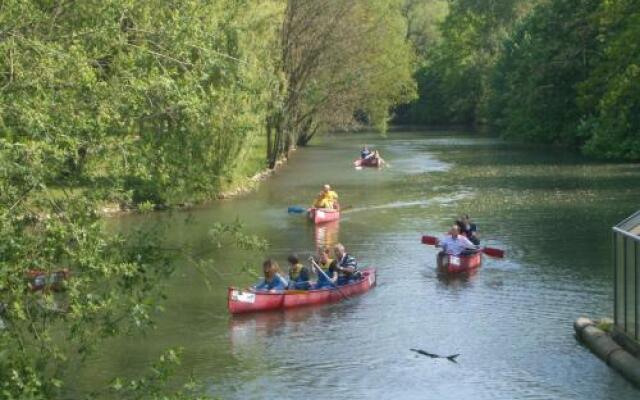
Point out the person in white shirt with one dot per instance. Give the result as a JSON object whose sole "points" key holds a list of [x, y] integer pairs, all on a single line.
{"points": [[454, 244]]}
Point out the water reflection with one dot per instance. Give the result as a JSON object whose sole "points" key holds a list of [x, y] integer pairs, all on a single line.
{"points": [[458, 280], [326, 235], [251, 330], [245, 330]]}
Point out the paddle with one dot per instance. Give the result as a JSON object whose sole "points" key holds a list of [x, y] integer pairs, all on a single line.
{"points": [[300, 210], [493, 252], [490, 251], [326, 277]]}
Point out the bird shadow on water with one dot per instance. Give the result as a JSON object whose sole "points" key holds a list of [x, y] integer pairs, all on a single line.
{"points": [[451, 358]]}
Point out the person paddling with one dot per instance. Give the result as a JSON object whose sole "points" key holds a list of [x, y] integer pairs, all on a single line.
{"points": [[454, 244], [468, 229], [328, 266], [379, 160], [327, 198], [365, 152], [346, 265], [298, 274], [273, 280]]}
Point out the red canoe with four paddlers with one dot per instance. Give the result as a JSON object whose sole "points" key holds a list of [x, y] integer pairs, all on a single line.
{"points": [[241, 301]]}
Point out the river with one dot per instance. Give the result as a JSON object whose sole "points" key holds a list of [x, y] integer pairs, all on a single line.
{"points": [[511, 322]]}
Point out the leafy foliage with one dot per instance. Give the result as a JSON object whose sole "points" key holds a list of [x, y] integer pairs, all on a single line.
{"points": [[164, 97], [115, 285], [345, 62], [534, 94], [610, 96], [558, 71], [113, 101], [453, 80]]}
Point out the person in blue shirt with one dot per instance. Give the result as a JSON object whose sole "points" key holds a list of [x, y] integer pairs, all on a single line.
{"points": [[365, 152], [346, 265], [298, 274], [273, 280], [454, 244]]}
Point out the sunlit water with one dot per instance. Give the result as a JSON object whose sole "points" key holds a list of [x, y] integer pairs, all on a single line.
{"points": [[511, 321]]}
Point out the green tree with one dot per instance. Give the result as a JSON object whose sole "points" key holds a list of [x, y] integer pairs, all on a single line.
{"points": [[610, 96], [454, 77], [113, 100], [535, 81], [342, 60], [164, 95], [423, 24], [115, 284]]}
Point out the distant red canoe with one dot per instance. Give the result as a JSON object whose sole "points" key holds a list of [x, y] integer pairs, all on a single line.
{"points": [[247, 301], [320, 215], [455, 264], [369, 162]]}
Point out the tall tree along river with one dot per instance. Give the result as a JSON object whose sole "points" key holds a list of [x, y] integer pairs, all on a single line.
{"points": [[511, 321]]}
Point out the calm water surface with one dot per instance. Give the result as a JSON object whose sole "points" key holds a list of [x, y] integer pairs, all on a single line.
{"points": [[511, 322]]}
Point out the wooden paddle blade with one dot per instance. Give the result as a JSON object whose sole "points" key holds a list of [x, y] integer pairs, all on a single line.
{"points": [[296, 210], [432, 240], [493, 252]]}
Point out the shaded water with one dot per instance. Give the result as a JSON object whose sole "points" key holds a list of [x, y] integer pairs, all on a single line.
{"points": [[511, 321]]}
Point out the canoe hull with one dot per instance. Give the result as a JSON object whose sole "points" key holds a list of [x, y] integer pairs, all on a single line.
{"points": [[322, 215], [248, 301], [455, 264], [369, 162]]}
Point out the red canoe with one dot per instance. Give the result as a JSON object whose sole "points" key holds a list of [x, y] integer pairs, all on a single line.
{"points": [[247, 301], [460, 263], [369, 162], [320, 215]]}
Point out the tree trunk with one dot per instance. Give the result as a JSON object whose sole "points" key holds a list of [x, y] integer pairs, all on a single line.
{"points": [[306, 133]]}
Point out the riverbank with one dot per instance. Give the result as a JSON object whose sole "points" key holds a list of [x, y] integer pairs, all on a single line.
{"points": [[237, 187]]}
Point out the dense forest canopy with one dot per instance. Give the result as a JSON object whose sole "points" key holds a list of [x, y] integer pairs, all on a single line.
{"points": [[557, 71], [154, 102]]}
